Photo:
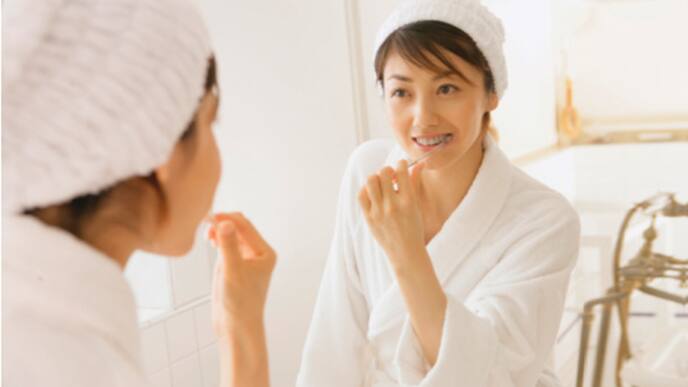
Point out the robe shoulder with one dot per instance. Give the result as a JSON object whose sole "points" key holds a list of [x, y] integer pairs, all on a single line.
{"points": [[537, 227], [50, 354], [368, 158], [530, 199]]}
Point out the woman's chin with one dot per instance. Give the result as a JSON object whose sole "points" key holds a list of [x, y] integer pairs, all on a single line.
{"points": [[435, 164], [176, 247], [185, 248]]}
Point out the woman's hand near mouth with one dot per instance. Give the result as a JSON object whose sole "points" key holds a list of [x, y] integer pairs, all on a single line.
{"points": [[240, 286], [394, 215], [391, 206]]}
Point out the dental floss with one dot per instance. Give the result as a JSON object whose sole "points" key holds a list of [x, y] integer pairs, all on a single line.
{"points": [[425, 156], [395, 186]]}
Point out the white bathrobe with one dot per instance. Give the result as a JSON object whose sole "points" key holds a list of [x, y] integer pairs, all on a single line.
{"points": [[503, 258], [69, 317]]}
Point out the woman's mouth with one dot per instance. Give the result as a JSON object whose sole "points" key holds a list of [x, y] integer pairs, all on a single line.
{"points": [[429, 142]]}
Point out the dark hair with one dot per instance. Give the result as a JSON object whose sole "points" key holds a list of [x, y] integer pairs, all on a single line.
{"points": [[73, 213], [421, 42], [210, 83]]}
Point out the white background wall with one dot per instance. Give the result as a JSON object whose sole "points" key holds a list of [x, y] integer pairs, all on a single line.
{"points": [[628, 62], [286, 129]]}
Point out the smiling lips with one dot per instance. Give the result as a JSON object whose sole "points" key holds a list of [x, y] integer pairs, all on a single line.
{"points": [[429, 142]]}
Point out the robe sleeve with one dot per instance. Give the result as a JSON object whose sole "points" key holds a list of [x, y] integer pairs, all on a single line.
{"points": [[504, 333], [336, 343]]}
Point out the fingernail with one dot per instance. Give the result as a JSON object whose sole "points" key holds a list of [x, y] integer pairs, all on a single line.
{"points": [[226, 228]]}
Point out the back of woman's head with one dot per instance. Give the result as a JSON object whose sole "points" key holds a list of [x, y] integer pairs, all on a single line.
{"points": [[96, 96]]}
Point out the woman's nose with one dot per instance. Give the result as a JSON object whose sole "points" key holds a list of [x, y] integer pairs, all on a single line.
{"points": [[424, 114]]}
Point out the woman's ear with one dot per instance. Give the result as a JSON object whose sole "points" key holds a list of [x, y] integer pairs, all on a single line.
{"points": [[166, 175], [163, 172], [492, 101]]}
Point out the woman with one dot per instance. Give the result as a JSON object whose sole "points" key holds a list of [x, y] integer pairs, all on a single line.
{"points": [[108, 148], [454, 273]]}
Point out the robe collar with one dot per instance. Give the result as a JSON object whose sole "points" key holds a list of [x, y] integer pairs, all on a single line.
{"points": [[459, 235]]}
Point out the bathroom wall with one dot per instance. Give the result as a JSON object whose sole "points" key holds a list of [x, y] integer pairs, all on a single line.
{"points": [[180, 349], [627, 65]]}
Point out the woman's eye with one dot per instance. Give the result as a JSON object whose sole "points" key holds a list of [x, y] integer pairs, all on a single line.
{"points": [[447, 89], [399, 93]]}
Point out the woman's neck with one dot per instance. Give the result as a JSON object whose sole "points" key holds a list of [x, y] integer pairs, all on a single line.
{"points": [[117, 242], [114, 240], [443, 190]]}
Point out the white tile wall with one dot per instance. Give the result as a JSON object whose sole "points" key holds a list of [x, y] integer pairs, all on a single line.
{"points": [[181, 335], [186, 372], [180, 349], [210, 366], [203, 323], [154, 348], [161, 378]]}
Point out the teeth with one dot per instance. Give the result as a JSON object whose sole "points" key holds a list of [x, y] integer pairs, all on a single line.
{"points": [[432, 141]]}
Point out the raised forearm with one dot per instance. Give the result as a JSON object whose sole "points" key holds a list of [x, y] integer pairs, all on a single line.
{"points": [[240, 287], [243, 356], [392, 212], [424, 298]]}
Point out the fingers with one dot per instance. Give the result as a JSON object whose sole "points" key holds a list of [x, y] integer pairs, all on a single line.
{"points": [[403, 177], [380, 188], [374, 189], [251, 235], [415, 178], [247, 232], [386, 182], [210, 235], [364, 200], [228, 243]]}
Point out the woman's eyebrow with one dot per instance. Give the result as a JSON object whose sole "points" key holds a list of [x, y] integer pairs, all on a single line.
{"points": [[399, 77], [449, 73]]}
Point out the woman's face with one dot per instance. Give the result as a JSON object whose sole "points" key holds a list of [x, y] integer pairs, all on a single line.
{"points": [[189, 180], [424, 107]]}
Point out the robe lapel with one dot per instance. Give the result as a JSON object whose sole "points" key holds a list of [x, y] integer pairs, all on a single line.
{"points": [[458, 236]]}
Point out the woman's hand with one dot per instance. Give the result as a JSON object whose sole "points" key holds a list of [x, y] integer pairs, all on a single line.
{"points": [[396, 221], [242, 271], [240, 286], [394, 215]]}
